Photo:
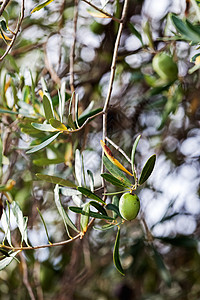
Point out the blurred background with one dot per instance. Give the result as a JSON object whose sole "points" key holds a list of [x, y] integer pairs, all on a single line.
{"points": [[165, 110]]}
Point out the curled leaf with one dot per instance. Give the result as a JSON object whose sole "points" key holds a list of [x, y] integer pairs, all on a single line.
{"points": [[110, 156]]}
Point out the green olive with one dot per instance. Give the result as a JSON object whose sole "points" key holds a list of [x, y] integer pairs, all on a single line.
{"points": [[165, 67], [129, 206]]}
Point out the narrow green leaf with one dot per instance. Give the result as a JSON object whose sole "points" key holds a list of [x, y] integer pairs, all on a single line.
{"points": [[85, 217], [187, 30], [89, 194], [4, 26], [114, 193], [116, 172], [61, 106], [83, 118], [76, 110], [164, 272], [21, 221], [56, 180], [70, 122], [70, 103], [114, 208], [57, 124], [92, 214], [6, 227], [1, 152], [180, 241], [133, 153], [46, 162], [135, 32], [48, 108], [70, 192], [99, 207], [116, 257], [87, 110], [44, 127], [4, 37], [107, 226], [42, 5], [113, 180], [44, 144], [78, 167], [7, 260], [147, 170], [66, 219], [91, 180], [45, 227], [115, 201], [6, 111]]}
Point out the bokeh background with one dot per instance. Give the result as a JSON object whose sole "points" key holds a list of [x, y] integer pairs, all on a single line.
{"points": [[168, 118]]}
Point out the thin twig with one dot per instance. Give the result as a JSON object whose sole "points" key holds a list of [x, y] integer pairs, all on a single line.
{"points": [[3, 6], [50, 68], [16, 31], [148, 232], [113, 66], [112, 75], [118, 149], [42, 246], [103, 12], [72, 55], [25, 276], [82, 126]]}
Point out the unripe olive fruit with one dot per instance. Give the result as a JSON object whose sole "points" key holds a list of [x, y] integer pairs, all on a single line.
{"points": [[165, 67], [129, 206]]}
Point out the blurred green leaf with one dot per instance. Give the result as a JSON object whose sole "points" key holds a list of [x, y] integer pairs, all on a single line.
{"points": [[188, 31], [116, 172], [91, 180], [45, 226], [116, 257], [83, 118], [48, 108], [106, 227], [44, 127], [7, 260], [42, 5], [6, 111], [180, 241], [5, 222], [70, 122], [57, 124], [135, 32], [89, 194], [85, 217], [44, 144], [147, 170], [76, 110], [46, 162], [67, 221], [21, 221], [92, 214], [78, 167], [164, 272], [1, 153], [56, 180], [61, 95]]}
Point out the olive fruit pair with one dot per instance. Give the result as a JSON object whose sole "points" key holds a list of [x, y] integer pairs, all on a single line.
{"points": [[129, 206]]}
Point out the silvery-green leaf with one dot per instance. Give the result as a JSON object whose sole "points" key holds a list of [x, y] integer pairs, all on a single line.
{"points": [[78, 167]]}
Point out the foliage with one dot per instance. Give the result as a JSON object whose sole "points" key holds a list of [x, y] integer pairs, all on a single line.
{"points": [[75, 80]]}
